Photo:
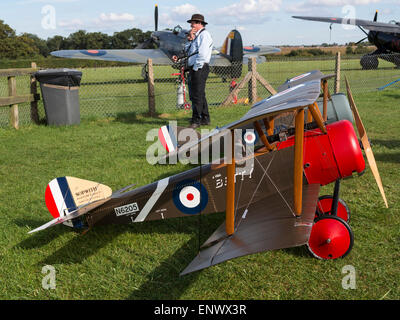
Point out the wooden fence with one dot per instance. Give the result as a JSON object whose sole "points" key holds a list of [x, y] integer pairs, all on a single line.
{"points": [[13, 99]]}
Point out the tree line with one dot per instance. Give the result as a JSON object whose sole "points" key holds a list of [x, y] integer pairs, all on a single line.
{"points": [[27, 45]]}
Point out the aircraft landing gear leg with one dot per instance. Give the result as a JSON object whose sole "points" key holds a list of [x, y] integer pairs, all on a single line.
{"points": [[328, 204]]}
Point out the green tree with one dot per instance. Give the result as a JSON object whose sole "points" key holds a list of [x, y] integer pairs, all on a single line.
{"points": [[39, 43], [13, 46], [56, 43]]}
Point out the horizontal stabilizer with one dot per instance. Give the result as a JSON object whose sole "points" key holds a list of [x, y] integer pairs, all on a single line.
{"points": [[72, 215], [267, 225]]}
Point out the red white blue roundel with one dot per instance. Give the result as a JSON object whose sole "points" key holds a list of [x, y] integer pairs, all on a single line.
{"points": [[190, 197], [250, 137]]}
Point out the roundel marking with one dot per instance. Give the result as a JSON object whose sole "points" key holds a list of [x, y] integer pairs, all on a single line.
{"points": [[94, 53], [250, 137], [190, 197]]}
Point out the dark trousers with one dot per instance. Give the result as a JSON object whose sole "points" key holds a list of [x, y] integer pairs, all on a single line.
{"points": [[197, 92]]}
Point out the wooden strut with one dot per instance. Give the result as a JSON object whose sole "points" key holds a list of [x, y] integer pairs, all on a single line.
{"points": [[262, 136], [269, 125], [230, 192], [298, 162], [250, 76], [316, 114]]}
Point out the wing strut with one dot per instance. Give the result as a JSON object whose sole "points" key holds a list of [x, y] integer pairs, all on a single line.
{"points": [[230, 192], [269, 125], [262, 136], [326, 94], [314, 110], [298, 162]]}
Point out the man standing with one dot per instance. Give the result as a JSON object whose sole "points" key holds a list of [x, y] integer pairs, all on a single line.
{"points": [[198, 51]]}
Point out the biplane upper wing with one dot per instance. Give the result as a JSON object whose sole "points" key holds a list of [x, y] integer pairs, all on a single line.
{"points": [[369, 25], [305, 77], [122, 55]]}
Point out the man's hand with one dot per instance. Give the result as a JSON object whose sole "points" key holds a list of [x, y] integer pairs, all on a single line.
{"points": [[174, 58], [191, 35]]}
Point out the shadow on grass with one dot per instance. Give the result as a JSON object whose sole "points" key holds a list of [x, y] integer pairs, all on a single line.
{"points": [[391, 144], [39, 239], [388, 157], [164, 282], [158, 120]]}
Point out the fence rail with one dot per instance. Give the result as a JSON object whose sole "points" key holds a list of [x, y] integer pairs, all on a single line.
{"points": [[119, 92], [13, 99]]}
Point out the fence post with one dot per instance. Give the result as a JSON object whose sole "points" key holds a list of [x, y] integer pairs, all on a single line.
{"points": [[337, 73], [150, 86], [34, 104], [12, 92], [253, 80]]}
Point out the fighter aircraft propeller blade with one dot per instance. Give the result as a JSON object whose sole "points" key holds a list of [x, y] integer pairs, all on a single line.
{"points": [[156, 18], [364, 140], [149, 43]]}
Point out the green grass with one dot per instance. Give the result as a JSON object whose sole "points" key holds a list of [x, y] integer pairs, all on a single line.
{"points": [[143, 261]]}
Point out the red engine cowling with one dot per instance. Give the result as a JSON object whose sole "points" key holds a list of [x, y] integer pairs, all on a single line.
{"points": [[331, 156]]}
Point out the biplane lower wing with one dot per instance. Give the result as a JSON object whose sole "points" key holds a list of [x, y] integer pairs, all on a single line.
{"points": [[268, 224]]}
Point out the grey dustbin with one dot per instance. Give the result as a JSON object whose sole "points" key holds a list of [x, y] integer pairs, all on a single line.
{"points": [[60, 92]]}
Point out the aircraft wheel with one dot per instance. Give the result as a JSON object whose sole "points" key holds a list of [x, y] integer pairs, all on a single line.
{"points": [[369, 62], [324, 207], [330, 238]]}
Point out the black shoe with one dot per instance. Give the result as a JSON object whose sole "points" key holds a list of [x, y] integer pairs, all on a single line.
{"points": [[205, 122]]}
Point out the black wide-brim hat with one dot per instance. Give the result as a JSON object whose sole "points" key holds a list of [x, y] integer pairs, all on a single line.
{"points": [[197, 17]]}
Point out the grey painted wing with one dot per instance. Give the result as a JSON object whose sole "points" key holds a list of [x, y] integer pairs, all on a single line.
{"points": [[122, 55], [370, 25]]}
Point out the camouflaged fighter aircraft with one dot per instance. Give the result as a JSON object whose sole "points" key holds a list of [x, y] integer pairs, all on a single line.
{"points": [[226, 61]]}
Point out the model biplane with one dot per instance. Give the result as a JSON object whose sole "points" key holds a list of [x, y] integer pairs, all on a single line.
{"points": [[272, 204]]}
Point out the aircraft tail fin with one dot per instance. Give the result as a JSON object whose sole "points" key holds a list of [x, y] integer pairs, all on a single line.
{"points": [[233, 50], [66, 194], [68, 198], [376, 16], [233, 46]]}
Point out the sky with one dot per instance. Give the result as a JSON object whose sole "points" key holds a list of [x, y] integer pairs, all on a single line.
{"points": [[261, 22]]}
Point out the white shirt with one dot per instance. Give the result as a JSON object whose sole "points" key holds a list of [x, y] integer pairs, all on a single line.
{"points": [[199, 50]]}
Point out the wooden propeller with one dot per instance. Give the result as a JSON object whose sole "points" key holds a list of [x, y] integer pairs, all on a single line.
{"points": [[364, 140]]}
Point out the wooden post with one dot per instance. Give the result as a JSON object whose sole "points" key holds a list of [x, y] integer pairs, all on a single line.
{"points": [[230, 192], [253, 80], [150, 87], [34, 104], [337, 73], [298, 162], [12, 92]]}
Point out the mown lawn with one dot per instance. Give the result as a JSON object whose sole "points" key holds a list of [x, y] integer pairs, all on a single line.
{"points": [[143, 261]]}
